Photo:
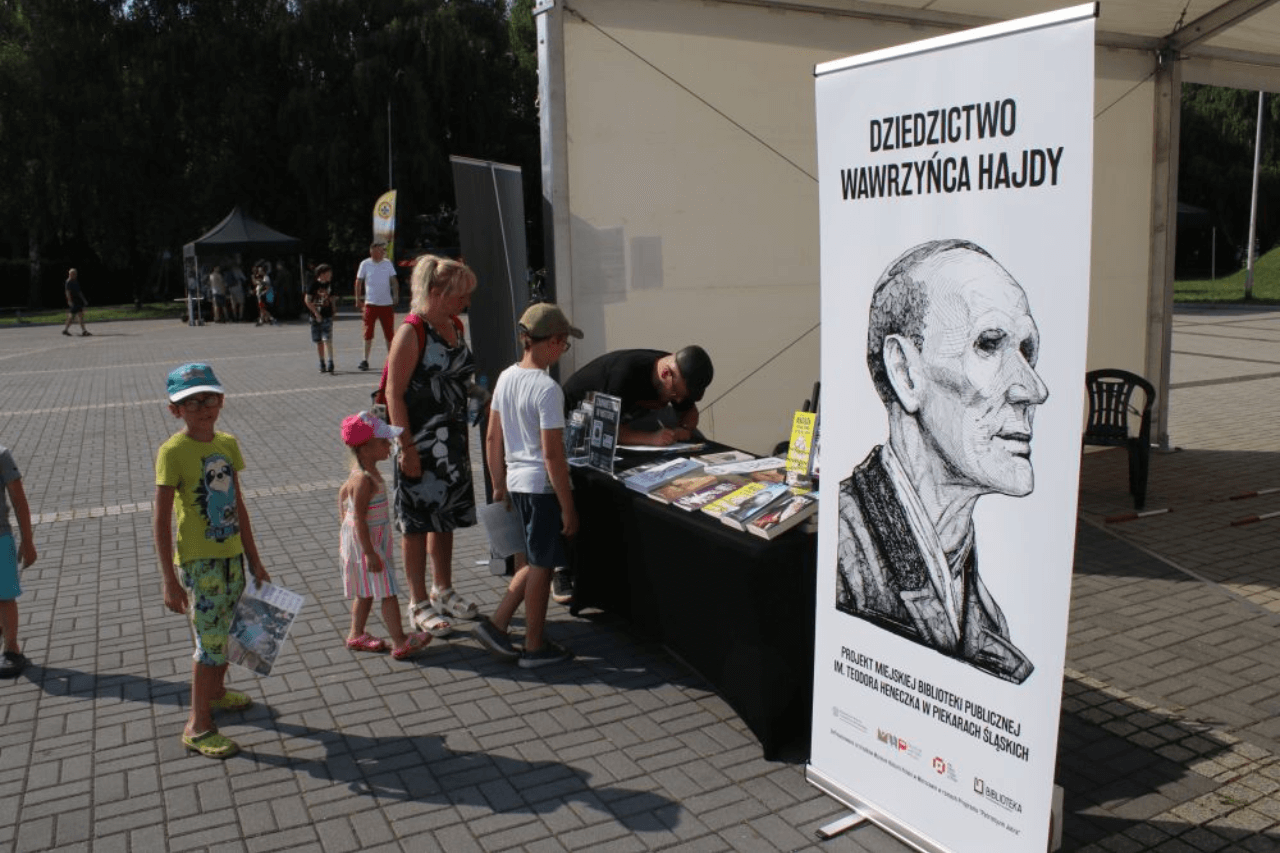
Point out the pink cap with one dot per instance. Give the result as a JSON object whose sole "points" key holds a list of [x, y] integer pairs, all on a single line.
{"points": [[358, 429]]}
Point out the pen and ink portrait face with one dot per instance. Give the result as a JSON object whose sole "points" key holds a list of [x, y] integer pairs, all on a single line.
{"points": [[980, 351], [969, 377]]}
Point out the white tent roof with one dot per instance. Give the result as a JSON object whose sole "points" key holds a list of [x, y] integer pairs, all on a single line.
{"points": [[1246, 31], [1146, 48]]}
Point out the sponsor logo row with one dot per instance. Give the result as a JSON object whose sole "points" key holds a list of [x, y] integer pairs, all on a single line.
{"points": [[941, 766]]}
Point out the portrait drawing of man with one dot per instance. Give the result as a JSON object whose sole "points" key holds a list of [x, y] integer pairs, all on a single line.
{"points": [[952, 349]]}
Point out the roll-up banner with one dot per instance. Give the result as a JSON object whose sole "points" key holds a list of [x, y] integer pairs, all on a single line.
{"points": [[490, 198], [955, 191], [384, 222]]}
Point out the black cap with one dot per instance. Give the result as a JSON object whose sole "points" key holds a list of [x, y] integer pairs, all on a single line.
{"points": [[695, 368]]}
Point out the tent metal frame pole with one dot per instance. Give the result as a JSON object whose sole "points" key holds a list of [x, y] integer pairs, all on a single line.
{"points": [[1164, 194]]}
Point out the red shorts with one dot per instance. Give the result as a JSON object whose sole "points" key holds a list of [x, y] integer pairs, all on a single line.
{"points": [[384, 314]]}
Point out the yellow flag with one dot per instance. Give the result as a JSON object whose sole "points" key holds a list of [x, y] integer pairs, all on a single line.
{"points": [[384, 222]]}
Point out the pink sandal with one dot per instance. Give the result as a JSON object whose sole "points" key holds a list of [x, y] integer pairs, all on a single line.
{"points": [[414, 645], [367, 643]]}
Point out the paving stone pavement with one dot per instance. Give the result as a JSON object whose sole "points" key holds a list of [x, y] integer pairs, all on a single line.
{"points": [[1169, 736]]}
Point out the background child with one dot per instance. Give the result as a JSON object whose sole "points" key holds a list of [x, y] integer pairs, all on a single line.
{"points": [[265, 293], [365, 541], [525, 446], [11, 557], [197, 473], [320, 304]]}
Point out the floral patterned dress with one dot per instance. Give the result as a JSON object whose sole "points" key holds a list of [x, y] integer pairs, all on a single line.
{"points": [[442, 499]]}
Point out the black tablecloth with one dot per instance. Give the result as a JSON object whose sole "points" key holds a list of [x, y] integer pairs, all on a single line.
{"points": [[736, 608]]}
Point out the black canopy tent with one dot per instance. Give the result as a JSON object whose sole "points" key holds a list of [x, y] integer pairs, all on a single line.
{"points": [[239, 232]]}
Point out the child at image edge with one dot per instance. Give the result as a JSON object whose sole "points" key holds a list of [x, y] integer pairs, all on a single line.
{"points": [[197, 474], [11, 557], [365, 541], [525, 447]]}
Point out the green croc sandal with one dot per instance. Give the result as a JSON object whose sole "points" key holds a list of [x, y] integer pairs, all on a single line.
{"points": [[232, 700], [210, 744]]}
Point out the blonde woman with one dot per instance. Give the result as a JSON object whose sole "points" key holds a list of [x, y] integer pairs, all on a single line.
{"points": [[429, 374]]}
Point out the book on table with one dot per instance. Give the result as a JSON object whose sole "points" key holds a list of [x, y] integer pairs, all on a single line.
{"points": [[757, 503], [734, 499], [724, 457], [681, 486], [747, 466], [804, 427], [700, 498], [606, 415], [651, 478], [783, 514], [630, 470]]}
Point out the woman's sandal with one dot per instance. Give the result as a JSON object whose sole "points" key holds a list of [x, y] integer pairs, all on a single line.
{"points": [[448, 602], [366, 642], [232, 700], [414, 645], [424, 617], [210, 744]]}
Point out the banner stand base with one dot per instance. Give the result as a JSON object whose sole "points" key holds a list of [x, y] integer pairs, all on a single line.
{"points": [[1055, 819], [837, 827], [864, 810], [862, 813]]}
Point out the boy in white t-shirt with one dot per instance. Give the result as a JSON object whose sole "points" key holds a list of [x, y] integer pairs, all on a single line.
{"points": [[525, 446]]}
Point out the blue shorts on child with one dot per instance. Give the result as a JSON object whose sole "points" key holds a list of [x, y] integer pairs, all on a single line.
{"points": [[321, 330], [540, 514], [9, 589]]}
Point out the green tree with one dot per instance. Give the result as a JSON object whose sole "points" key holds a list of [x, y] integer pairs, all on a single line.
{"points": [[128, 127], [1215, 169]]}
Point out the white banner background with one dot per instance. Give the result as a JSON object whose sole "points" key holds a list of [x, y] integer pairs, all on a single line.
{"points": [[911, 769]]}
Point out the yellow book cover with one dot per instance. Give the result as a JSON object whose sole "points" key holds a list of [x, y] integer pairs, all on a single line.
{"points": [[719, 507], [800, 448]]}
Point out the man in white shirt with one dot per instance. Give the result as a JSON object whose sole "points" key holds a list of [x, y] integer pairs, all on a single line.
{"points": [[377, 294]]}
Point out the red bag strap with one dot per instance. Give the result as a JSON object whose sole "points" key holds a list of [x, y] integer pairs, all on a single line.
{"points": [[380, 396], [419, 327]]}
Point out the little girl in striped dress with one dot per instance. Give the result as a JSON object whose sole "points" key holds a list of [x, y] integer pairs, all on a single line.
{"points": [[368, 572]]}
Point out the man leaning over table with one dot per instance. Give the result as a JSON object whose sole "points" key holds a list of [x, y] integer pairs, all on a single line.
{"points": [[659, 392]]}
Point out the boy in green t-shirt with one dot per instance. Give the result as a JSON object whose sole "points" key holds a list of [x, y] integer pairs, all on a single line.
{"points": [[197, 475]]}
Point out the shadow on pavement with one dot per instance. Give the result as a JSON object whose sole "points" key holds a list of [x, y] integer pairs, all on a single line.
{"points": [[1204, 492], [423, 769], [396, 767], [1117, 767], [58, 681]]}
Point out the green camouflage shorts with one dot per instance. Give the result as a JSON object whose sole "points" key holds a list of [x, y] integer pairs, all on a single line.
{"points": [[213, 588]]}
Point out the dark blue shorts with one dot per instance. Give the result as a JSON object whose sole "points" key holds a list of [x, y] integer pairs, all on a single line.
{"points": [[9, 588], [544, 546], [322, 331]]}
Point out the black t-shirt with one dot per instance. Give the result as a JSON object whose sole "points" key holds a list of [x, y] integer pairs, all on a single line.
{"points": [[626, 373], [324, 306]]}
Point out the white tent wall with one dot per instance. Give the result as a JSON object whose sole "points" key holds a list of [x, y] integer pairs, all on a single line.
{"points": [[678, 164], [1122, 180], [688, 226]]}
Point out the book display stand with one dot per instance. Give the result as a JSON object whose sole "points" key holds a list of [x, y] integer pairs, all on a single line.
{"points": [[711, 594]]}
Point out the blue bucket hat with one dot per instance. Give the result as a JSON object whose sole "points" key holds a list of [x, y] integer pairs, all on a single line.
{"points": [[191, 379]]}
